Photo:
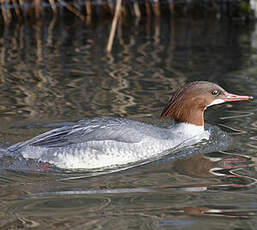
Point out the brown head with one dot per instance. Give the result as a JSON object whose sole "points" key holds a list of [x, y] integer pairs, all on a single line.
{"points": [[188, 103]]}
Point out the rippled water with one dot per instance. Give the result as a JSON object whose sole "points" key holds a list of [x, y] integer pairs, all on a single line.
{"points": [[58, 72]]}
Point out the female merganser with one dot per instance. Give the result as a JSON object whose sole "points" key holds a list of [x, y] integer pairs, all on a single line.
{"points": [[110, 142]]}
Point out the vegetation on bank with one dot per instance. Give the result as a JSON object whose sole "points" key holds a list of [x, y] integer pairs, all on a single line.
{"points": [[92, 10], [20, 10]]}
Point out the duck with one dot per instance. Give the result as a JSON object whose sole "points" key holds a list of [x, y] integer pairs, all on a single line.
{"points": [[104, 142]]}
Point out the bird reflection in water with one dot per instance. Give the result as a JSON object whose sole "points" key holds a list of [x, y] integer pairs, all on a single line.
{"points": [[222, 165]]}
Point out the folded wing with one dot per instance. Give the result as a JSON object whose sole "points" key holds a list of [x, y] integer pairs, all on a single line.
{"points": [[97, 129]]}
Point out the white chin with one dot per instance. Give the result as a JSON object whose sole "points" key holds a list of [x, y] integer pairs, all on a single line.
{"points": [[216, 101]]}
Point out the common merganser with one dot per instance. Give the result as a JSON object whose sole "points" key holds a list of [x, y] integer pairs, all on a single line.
{"points": [[110, 142]]}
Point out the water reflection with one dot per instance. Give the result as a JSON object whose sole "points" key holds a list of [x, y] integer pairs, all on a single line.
{"points": [[222, 165], [47, 69], [197, 166]]}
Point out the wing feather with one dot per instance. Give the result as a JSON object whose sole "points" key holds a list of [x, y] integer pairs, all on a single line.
{"points": [[96, 129]]}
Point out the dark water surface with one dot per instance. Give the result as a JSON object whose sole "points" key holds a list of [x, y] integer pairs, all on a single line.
{"points": [[58, 72]]}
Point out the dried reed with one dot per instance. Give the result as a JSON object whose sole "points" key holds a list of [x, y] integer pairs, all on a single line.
{"points": [[20, 9], [114, 25], [87, 10]]}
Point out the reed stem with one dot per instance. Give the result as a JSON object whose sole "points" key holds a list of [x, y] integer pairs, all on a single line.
{"points": [[156, 8], [73, 10], [114, 25], [53, 6], [137, 9], [17, 10]]}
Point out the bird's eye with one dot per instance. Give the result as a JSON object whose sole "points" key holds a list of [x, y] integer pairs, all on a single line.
{"points": [[215, 92]]}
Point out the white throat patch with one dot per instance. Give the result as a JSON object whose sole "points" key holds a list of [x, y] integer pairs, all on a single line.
{"points": [[215, 102], [189, 131]]}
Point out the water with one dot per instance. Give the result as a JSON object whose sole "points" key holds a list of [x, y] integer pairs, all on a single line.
{"points": [[57, 72]]}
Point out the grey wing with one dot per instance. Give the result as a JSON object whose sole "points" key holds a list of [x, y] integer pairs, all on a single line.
{"points": [[97, 129]]}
